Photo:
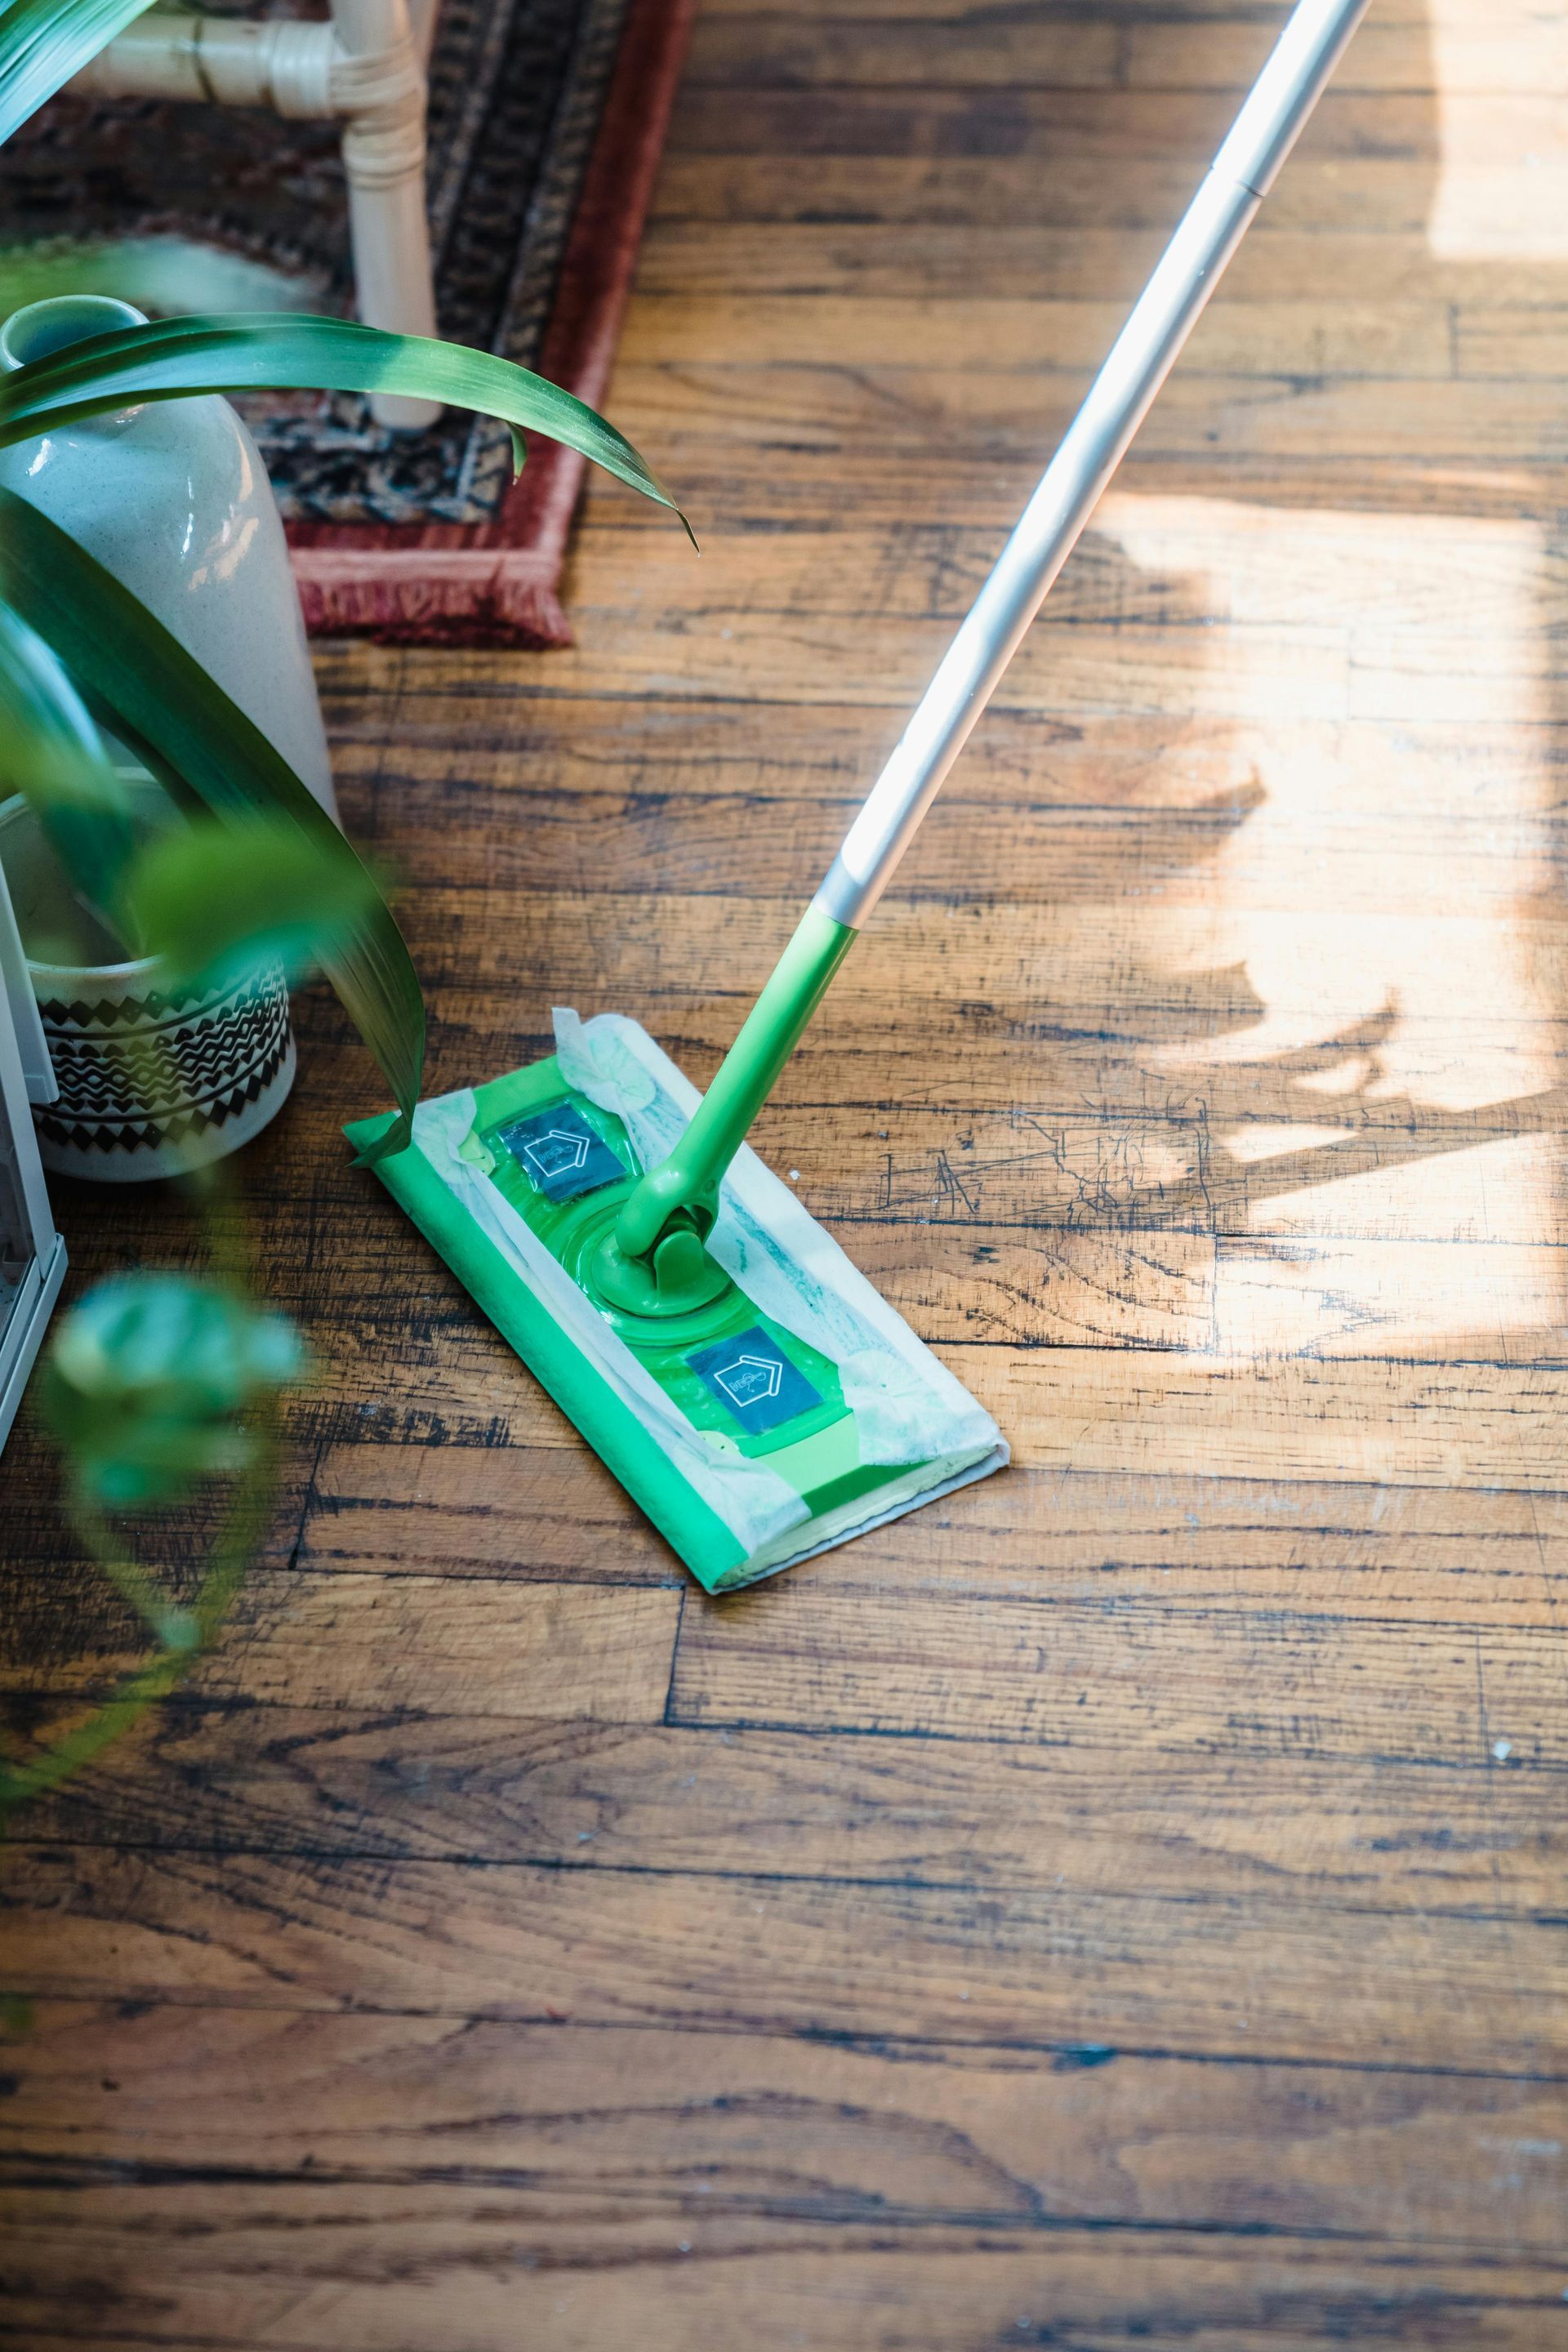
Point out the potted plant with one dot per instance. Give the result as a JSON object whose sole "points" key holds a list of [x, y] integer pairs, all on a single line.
{"points": [[153, 1382]]}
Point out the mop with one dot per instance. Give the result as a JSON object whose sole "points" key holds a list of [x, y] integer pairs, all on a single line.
{"points": [[745, 1383]]}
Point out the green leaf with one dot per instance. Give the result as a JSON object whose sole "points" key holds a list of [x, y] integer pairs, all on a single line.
{"points": [[254, 352], [44, 42], [51, 751], [164, 273], [216, 900], [147, 1378], [157, 696]]}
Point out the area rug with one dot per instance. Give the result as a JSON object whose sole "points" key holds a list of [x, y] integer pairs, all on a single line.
{"points": [[547, 119]]}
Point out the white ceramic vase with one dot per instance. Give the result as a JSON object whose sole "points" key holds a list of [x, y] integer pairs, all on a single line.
{"points": [[173, 497]]}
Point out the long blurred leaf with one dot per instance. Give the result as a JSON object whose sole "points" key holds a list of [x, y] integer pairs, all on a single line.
{"points": [[216, 900], [164, 273], [51, 751], [253, 351], [44, 42], [153, 692]]}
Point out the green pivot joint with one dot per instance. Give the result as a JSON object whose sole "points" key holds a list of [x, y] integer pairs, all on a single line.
{"points": [[654, 1262]]}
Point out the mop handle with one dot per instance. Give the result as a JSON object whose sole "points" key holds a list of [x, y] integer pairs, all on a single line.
{"points": [[1163, 316]]}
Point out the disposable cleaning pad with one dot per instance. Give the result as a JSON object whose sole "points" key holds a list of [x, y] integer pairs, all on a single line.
{"points": [[793, 1412]]}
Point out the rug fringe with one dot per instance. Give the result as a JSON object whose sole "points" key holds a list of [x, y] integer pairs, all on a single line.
{"points": [[481, 603]]}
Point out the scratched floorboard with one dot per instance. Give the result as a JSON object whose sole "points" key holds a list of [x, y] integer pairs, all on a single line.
{"points": [[1122, 1905]]}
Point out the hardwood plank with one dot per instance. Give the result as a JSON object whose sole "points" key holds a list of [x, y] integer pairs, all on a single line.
{"points": [[908, 169], [1063, 52], [363, 1641], [685, 413], [1480, 130], [739, 2124], [1056, 1670], [961, 966], [695, 260], [1234, 337], [1222, 51], [1049, 1178], [1287, 1975], [383, 2268], [1170, 561], [547, 1510], [717, 804], [936, 119], [1292, 1417], [973, 846], [1305, 674], [1315, 672], [803, 484], [503, 1511], [1468, 1423], [1263, 1570], [1466, 1417], [1485, 1556], [1513, 51], [987, 1815]]}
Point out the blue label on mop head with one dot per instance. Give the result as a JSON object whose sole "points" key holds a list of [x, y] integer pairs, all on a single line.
{"points": [[754, 1381], [560, 1153]]}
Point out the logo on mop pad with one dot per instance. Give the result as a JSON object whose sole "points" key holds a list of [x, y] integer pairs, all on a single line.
{"points": [[755, 1381], [560, 1153]]}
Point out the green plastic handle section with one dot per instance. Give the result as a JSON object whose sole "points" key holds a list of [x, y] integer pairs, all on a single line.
{"points": [[691, 1177]]}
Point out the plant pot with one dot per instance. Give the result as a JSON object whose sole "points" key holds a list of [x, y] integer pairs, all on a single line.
{"points": [[152, 1082], [173, 497]]}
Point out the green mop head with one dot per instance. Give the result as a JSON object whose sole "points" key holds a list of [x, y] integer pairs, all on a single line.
{"points": [[787, 1414]]}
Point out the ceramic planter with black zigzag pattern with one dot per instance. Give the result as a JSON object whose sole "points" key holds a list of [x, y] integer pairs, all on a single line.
{"points": [[152, 1079]]}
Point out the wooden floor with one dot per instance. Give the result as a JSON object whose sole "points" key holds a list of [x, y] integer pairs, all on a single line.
{"points": [[1123, 1904]]}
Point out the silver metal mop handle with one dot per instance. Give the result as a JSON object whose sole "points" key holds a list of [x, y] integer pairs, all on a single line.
{"points": [[1168, 308]]}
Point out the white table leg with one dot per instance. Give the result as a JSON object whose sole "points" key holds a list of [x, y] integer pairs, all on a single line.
{"points": [[384, 157]]}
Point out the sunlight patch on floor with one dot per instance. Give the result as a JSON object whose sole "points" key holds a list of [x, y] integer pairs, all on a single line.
{"points": [[1484, 208], [1384, 1159]]}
